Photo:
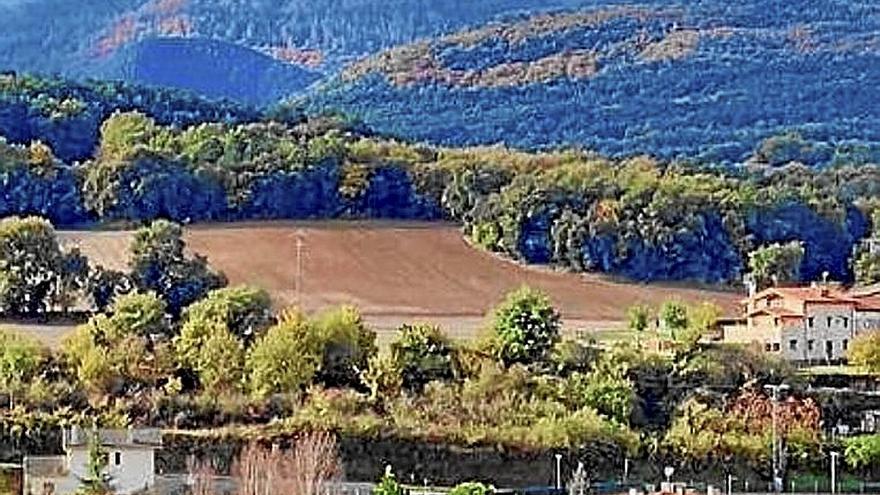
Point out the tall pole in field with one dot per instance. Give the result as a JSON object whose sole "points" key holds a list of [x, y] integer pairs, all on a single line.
{"points": [[299, 245]]}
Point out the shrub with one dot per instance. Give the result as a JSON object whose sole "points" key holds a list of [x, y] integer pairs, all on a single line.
{"points": [[423, 354], [21, 359], [347, 346], [285, 359], [471, 488], [526, 327]]}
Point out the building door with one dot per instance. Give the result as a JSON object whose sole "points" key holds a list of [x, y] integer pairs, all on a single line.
{"points": [[829, 349]]}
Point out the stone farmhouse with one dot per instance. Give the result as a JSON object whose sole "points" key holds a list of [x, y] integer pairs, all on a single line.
{"points": [[812, 325]]}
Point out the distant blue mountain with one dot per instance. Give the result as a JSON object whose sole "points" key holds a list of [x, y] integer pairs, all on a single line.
{"points": [[215, 69]]}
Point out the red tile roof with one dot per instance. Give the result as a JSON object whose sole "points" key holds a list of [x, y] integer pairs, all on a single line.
{"points": [[869, 303], [775, 311], [830, 295]]}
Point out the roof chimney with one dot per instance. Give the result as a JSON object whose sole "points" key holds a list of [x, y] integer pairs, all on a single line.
{"points": [[751, 286]]}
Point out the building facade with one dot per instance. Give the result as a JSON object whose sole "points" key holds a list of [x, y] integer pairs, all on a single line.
{"points": [[814, 324], [130, 462]]}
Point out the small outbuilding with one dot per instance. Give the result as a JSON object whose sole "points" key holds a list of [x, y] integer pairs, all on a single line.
{"points": [[130, 464]]}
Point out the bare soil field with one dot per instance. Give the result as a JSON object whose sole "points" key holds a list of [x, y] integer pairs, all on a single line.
{"points": [[395, 273]]}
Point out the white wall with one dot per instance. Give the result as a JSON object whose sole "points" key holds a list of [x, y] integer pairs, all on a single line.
{"points": [[135, 471]]}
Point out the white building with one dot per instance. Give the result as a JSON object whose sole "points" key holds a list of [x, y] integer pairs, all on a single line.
{"points": [[131, 462]]}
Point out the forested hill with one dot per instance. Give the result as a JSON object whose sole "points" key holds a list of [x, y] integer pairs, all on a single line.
{"points": [[67, 115], [706, 80], [105, 39], [703, 80]]}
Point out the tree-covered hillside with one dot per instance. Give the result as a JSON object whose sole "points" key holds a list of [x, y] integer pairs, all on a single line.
{"points": [[709, 79], [66, 115], [639, 218], [671, 78], [101, 39]]}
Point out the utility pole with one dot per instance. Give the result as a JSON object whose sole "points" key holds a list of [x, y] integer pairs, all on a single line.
{"points": [[774, 390], [297, 280]]}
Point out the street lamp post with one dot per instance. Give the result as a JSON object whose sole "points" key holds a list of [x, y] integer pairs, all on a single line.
{"points": [[625, 470], [834, 472], [668, 471], [774, 390], [558, 471]]}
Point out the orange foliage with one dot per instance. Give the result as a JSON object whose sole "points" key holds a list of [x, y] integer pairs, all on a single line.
{"points": [[755, 409]]}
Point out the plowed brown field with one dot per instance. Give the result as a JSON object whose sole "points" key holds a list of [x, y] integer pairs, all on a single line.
{"points": [[395, 272]]}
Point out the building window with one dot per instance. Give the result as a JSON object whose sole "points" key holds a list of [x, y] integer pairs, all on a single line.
{"points": [[829, 348], [776, 347], [810, 322], [117, 458], [810, 345], [775, 322], [845, 344], [768, 347], [845, 322], [829, 322], [792, 345]]}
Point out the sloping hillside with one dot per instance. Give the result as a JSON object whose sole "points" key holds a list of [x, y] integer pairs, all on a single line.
{"points": [[395, 272], [215, 69], [95, 38], [707, 80]]}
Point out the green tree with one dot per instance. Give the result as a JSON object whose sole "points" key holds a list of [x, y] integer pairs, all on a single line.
{"points": [[865, 351], [124, 134], [347, 345], [867, 268], [245, 311], [674, 317], [35, 273], [702, 319], [117, 352], [776, 263], [525, 327], [234, 314], [863, 451], [105, 285], [159, 263], [423, 354], [383, 377], [285, 359], [606, 388], [20, 361], [639, 317], [220, 364]]}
